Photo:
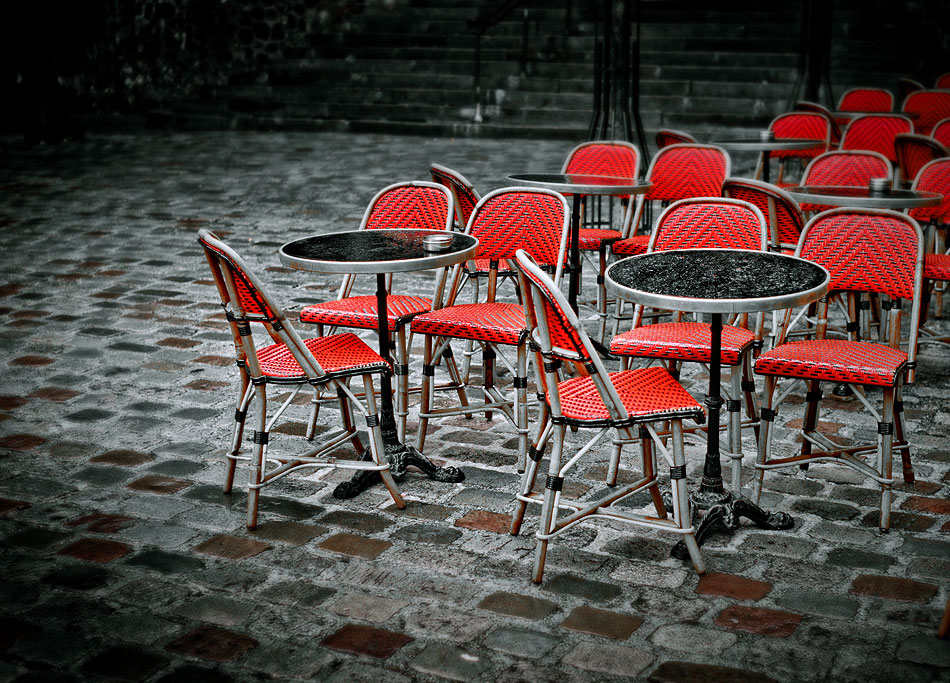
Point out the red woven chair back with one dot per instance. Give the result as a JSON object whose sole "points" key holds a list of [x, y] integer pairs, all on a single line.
{"points": [[876, 133], [866, 99], [930, 106], [816, 108], [414, 205], [687, 170], [934, 177], [846, 168], [710, 224], [914, 152], [667, 136], [781, 211], [802, 125], [239, 292], [464, 193], [941, 132], [558, 318], [943, 81], [510, 219], [865, 251], [614, 158]]}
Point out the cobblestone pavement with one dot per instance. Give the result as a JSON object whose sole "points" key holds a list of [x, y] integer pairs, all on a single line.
{"points": [[122, 559]]}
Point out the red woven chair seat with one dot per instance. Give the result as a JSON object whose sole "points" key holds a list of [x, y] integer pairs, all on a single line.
{"points": [[339, 355], [591, 239], [360, 311], [835, 360], [497, 323], [632, 246], [683, 341], [482, 266], [648, 394], [937, 266]]}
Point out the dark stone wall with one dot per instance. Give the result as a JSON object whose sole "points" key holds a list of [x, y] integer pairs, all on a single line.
{"points": [[62, 57]]}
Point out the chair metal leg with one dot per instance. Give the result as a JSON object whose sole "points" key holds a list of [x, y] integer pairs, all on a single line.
{"points": [[549, 506], [428, 389], [681, 512], [237, 436], [376, 446], [767, 417], [260, 450], [530, 474], [885, 440], [521, 408]]}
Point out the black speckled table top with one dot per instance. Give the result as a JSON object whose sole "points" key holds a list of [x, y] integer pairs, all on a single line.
{"points": [[717, 280], [374, 251]]}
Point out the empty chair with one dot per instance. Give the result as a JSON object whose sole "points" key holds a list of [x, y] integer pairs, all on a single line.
{"points": [[291, 362], [630, 404], [784, 215], [876, 133], [865, 252], [466, 197], [851, 168], [705, 223], [419, 205], [667, 136], [799, 125], [930, 106], [941, 132], [677, 172], [866, 99], [503, 221], [934, 177], [816, 108], [913, 153], [600, 226]]}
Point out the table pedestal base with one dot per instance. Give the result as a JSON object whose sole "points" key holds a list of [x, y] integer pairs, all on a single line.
{"points": [[723, 510], [400, 457]]}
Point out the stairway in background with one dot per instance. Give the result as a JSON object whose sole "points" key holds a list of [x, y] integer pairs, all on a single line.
{"points": [[407, 66]]}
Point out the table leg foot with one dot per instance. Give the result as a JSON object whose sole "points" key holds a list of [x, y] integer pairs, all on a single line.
{"points": [[400, 458], [725, 516], [399, 462]]}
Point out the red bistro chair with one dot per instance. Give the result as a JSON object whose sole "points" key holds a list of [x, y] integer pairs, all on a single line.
{"points": [[677, 172], [876, 133], [612, 158], [816, 108], [851, 168], [864, 251], [803, 125], [784, 215], [290, 361], [914, 152], [503, 221], [628, 404], [419, 205], [866, 99], [704, 223], [941, 132], [667, 136], [930, 106], [934, 177], [466, 197]]}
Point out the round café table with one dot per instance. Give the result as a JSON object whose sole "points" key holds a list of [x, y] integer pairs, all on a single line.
{"points": [[766, 147], [863, 197], [718, 281], [579, 185], [380, 252]]}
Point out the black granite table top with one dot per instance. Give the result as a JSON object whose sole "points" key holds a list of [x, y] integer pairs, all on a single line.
{"points": [[717, 280], [863, 197], [374, 251], [581, 183]]}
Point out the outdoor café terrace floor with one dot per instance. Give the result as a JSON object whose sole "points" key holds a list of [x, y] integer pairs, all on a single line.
{"points": [[122, 560]]}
